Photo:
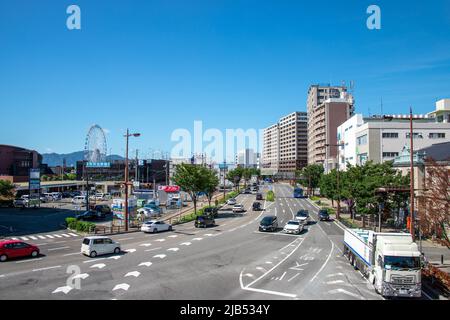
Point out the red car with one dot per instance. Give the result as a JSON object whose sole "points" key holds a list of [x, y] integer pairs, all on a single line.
{"points": [[15, 249]]}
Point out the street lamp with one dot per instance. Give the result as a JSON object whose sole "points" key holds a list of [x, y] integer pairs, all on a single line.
{"points": [[127, 136], [337, 177]]}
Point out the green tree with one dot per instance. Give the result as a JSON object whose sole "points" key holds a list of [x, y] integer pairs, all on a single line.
{"points": [[235, 177], [211, 183], [7, 189], [310, 176]]}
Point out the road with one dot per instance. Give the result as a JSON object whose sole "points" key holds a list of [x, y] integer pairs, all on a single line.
{"points": [[229, 261]]}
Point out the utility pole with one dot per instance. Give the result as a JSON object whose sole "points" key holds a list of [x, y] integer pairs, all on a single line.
{"points": [[136, 174], [224, 166], [127, 136], [411, 177]]}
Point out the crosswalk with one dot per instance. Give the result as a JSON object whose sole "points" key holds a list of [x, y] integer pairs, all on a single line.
{"points": [[47, 236]]}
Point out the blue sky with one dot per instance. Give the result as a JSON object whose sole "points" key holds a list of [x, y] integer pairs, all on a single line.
{"points": [[155, 66]]}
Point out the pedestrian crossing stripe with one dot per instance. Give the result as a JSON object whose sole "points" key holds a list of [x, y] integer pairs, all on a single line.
{"points": [[58, 236], [34, 238], [66, 235], [41, 237], [47, 236], [24, 238]]}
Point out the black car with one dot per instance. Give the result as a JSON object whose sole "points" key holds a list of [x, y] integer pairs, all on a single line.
{"points": [[211, 211], [204, 221], [324, 215], [268, 223], [66, 195], [259, 196], [103, 208], [90, 215], [256, 206]]}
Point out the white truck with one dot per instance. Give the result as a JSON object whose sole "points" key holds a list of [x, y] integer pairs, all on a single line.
{"points": [[390, 261]]}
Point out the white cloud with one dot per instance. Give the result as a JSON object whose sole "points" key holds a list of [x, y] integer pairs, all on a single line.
{"points": [[106, 131]]}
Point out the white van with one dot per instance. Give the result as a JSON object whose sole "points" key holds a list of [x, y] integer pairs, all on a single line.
{"points": [[79, 200], [98, 245]]}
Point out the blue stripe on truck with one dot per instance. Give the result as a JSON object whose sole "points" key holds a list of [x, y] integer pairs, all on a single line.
{"points": [[364, 260]]}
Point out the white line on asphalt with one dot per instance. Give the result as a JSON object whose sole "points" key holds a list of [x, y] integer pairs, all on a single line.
{"points": [[65, 235], [122, 239], [261, 269], [42, 237], [49, 236], [335, 282], [59, 248], [197, 239], [147, 264], [161, 256], [33, 238], [293, 277], [185, 244], [173, 236], [325, 263], [71, 254], [133, 273], [48, 268], [94, 260], [265, 291], [282, 276], [123, 286], [145, 245], [130, 250], [58, 236], [24, 238], [173, 249], [73, 234], [98, 265], [30, 260], [160, 240], [346, 292], [152, 249], [334, 274]]}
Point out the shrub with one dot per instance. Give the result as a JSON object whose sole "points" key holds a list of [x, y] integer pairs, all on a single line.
{"points": [[81, 226], [270, 196]]}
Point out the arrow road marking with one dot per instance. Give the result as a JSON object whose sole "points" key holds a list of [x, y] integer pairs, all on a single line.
{"points": [[297, 266], [65, 289], [133, 273], [130, 250], [147, 264], [145, 245], [81, 275], [161, 256], [123, 286], [173, 249], [99, 265], [185, 244]]}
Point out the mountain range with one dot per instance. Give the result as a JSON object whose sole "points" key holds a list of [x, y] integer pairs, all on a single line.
{"points": [[56, 159]]}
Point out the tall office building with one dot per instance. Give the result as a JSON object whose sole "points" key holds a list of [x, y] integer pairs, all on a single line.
{"points": [[285, 145], [246, 158], [328, 107]]}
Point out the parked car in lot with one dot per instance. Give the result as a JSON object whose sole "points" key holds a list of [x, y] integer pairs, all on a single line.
{"points": [[21, 202], [293, 226], [259, 196], [155, 226], [90, 215], [211, 211], [10, 249], [231, 201], [153, 209], [98, 245], [66, 194], [148, 212], [256, 206], [238, 208], [303, 216], [268, 223], [204, 221], [79, 200], [324, 215], [103, 208]]}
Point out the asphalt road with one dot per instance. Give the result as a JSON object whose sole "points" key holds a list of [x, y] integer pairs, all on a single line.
{"points": [[232, 260]]}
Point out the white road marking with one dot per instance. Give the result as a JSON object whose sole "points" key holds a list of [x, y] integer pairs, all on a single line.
{"points": [[30, 260], [49, 236], [59, 248], [123, 286], [160, 240], [297, 266], [325, 263], [42, 237], [115, 257], [249, 275], [334, 274], [81, 275], [47, 268], [147, 264], [265, 291], [33, 238], [73, 234], [261, 269], [152, 249], [24, 238], [65, 235], [209, 235], [145, 244], [130, 250], [335, 282], [173, 236], [345, 292], [133, 273], [93, 260], [293, 277], [173, 249], [269, 262], [282, 276], [65, 289], [99, 265], [58, 236], [122, 239], [185, 244], [161, 256]]}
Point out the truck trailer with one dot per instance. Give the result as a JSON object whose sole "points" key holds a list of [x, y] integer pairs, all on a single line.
{"points": [[390, 261]]}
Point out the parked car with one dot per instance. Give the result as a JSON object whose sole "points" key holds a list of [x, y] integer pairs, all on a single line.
{"points": [[268, 223], [153, 209], [103, 208], [259, 196], [155, 226], [10, 249], [148, 212], [293, 226], [231, 201], [303, 216], [56, 195], [247, 191], [90, 215], [211, 211], [20, 202], [66, 194], [79, 200], [204, 221], [324, 215], [256, 206], [238, 208], [98, 245]]}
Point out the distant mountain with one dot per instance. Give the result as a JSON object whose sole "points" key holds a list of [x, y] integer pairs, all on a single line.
{"points": [[56, 159]]}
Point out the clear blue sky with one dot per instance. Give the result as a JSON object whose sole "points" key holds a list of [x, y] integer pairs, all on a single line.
{"points": [[155, 66]]}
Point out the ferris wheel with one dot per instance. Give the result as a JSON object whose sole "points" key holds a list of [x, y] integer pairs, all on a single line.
{"points": [[95, 145]]}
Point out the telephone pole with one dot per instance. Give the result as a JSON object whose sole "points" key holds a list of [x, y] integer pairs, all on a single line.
{"points": [[411, 177]]}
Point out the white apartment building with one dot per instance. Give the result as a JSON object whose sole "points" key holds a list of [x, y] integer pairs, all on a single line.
{"points": [[382, 139], [442, 112], [271, 150], [246, 158]]}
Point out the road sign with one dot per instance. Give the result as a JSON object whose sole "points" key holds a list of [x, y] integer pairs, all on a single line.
{"points": [[34, 183], [98, 164]]}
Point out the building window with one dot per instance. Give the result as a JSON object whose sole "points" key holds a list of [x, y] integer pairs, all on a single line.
{"points": [[390, 134], [361, 140], [416, 135], [390, 154], [436, 135]]}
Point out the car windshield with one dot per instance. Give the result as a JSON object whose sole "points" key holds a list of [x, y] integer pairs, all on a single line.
{"points": [[86, 241], [401, 263], [266, 221], [302, 214], [323, 212], [294, 222]]}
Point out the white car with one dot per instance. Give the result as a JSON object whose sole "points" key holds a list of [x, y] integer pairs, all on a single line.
{"points": [[231, 201], [155, 226], [293, 226], [148, 212], [303, 216], [79, 200], [238, 208], [98, 245]]}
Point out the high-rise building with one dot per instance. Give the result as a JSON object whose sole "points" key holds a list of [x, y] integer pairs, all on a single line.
{"points": [[328, 107], [246, 158], [285, 145]]}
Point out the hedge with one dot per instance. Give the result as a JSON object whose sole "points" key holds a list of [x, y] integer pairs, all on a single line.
{"points": [[81, 226], [270, 196]]}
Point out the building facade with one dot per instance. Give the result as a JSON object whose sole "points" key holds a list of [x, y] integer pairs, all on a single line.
{"points": [[328, 107], [442, 111], [16, 162], [346, 135], [246, 158], [270, 153]]}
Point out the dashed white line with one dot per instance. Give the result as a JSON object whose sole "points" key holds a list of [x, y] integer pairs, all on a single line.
{"points": [[47, 268], [59, 248]]}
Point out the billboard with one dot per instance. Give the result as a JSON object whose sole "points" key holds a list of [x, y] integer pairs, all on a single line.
{"points": [[34, 182]]}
